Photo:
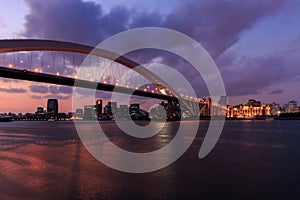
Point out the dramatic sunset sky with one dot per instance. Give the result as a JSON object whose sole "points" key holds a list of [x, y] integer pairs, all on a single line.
{"points": [[255, 44]]}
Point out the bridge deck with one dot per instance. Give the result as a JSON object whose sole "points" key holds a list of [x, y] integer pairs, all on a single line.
{"points": [[59, 80]]}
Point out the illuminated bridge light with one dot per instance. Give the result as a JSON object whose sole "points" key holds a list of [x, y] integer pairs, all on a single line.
{"points": [[10, 65], [152, 91], [105, 82], [57, 73], [163, 92], [36, 70], [136, 88], [75, 77]]}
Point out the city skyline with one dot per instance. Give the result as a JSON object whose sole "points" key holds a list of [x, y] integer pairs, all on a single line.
{"points": [[252, 64], [288, 107]]}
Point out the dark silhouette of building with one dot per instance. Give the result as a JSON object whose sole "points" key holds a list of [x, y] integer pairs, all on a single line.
{"points": [[39, 110], [52, 107], [113, 107], [99, 108], [134, 110]]}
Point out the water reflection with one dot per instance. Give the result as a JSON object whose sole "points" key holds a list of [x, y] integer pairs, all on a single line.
{"points": [[252, 160]]}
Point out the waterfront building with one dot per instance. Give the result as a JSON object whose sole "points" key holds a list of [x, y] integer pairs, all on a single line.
{"points": [[291, 107], [89, 112], [134, 110], [113, 107], [110, 108], [40, 110], [52, 107], [99, 108], [251, 109], [275, 109], [124, 111], [79, 113]]}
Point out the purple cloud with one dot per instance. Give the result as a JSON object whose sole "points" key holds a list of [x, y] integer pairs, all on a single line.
{"points": [[13, 90], [69, 20], [39, 89], [36, 97], [54, 89], [65, 89], [217, 25], [53, 96], [276, 91]]}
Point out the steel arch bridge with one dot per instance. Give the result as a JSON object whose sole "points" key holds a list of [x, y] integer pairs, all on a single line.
{"points": [[18, 45], [8, 46]]}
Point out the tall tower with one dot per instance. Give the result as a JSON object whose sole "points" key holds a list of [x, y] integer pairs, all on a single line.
{"points": [[52, 107], [99, 108]]}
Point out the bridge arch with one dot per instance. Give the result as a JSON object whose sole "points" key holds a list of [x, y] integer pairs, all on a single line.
{"points": [[16, 45]]}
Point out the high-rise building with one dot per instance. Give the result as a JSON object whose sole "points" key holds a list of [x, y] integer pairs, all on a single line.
{"points": [[124, 112], [113, 107], [89, 112], [99, 108], [52, 107]]}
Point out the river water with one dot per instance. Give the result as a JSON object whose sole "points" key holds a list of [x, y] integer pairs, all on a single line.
{"points": [[252, 160]]}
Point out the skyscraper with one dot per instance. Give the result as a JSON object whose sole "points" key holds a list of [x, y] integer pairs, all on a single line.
{"points": [[52, 107], [113, 107], [89, 112], [99, 108]]}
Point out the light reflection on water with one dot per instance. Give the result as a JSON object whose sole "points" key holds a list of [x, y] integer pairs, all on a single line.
{"points": [[40, 160]]}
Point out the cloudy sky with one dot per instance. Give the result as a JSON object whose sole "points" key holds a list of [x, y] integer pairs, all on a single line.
{"points": [[255, 44]]}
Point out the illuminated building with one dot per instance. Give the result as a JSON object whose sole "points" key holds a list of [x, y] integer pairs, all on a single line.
{"points": [[99, 108], [275, 109], [250, 110]]}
